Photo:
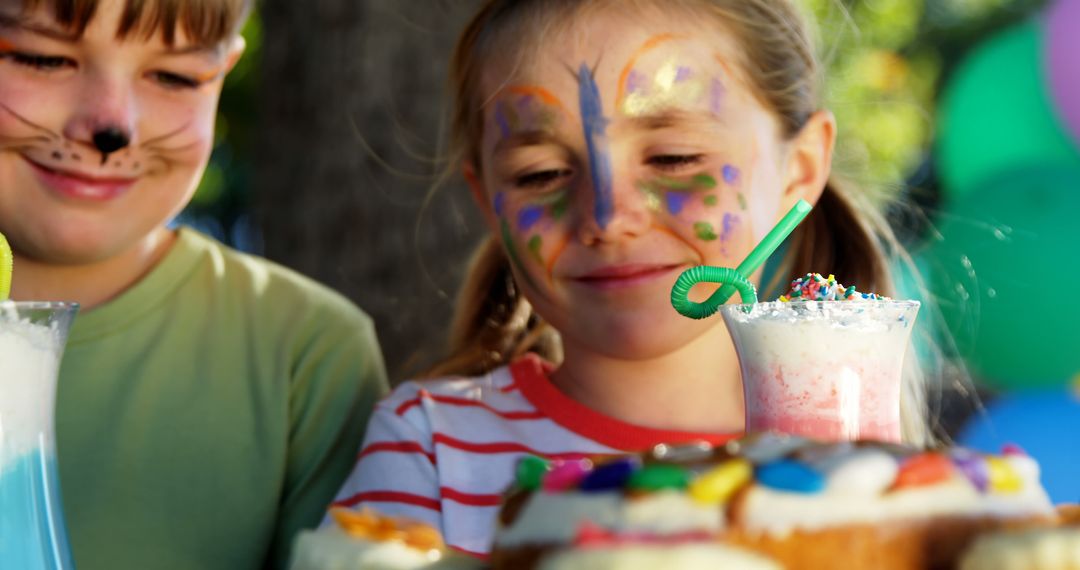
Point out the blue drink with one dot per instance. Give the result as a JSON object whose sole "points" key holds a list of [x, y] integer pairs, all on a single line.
{"points": [[32, 531]]}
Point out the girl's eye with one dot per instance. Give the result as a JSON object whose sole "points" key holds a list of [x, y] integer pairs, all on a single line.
{"points": [[38, 61], [175, 81], [541, 178], [674, 161]]}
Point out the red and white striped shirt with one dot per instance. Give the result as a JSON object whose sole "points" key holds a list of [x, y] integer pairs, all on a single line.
{"points": [[443, 451]]}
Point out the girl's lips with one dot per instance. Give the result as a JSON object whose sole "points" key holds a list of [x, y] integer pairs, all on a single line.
{"points": [[619, 276], [81, 186]]}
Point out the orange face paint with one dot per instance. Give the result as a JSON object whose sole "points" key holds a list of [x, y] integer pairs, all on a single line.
{"points": [[625, 74]]}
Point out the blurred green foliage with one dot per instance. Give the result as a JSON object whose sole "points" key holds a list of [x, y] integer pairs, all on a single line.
{"points": [[886, 61]]}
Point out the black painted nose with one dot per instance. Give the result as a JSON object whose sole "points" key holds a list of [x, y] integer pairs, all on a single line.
{"points": [[110, 140]]}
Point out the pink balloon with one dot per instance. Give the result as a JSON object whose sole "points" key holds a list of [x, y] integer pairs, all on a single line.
{"points": [[1063, 61]]}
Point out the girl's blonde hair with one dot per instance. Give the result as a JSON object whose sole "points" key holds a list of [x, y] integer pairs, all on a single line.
{"points": [[845, 234], [203, 22]]}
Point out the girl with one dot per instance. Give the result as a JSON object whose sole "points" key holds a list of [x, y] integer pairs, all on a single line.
{"points": [[610, 145]]}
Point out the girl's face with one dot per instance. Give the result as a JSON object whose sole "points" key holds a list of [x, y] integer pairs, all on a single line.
{"points": [[620, 155], [102, 140]]}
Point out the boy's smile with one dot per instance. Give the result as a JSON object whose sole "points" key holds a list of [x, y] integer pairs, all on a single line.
{"points": [[103, 138]]}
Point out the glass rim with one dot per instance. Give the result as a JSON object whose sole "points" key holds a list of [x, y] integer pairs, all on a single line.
{"points": [[39, 305], [868, 303]]}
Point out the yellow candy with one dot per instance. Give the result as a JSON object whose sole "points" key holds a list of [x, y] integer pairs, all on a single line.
{"points": [[1003, 477], [717, 485]]}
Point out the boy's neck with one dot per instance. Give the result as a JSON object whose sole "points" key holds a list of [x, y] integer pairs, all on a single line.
{"points": [[93, 284], [696, 388]]}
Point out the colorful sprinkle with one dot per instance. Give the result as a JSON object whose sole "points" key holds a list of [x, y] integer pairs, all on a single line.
{"points": [[923, 469], [792, 476], [719, 484], [566, 474], [530, 472], [658, 477], [864, 472], [815, 287], [1013, 449], [610, 476]]}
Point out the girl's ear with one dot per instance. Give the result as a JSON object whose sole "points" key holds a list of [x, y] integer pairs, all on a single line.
{"points": [[479, 194], [234, 51], [810, 160]]}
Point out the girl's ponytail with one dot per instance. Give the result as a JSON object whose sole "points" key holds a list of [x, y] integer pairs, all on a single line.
{"points": [[493, 322]]}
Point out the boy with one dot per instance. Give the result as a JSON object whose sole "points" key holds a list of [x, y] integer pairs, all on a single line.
{"points": [[210, 403]]}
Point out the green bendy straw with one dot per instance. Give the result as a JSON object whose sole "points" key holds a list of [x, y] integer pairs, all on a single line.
{"points": [[734, 279], [6, 264]]}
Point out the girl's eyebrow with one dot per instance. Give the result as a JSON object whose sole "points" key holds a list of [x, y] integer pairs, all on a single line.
{"points": [[668, 118], [521, 139]]}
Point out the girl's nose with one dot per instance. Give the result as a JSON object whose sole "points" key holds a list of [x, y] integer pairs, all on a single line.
{"points": [[627, 215]]}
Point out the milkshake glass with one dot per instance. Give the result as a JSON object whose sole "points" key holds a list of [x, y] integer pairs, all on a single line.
{"points": [[32, 531], [829, 370]]}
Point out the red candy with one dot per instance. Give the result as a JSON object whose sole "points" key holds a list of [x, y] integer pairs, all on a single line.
{"points": [[923, 469]]}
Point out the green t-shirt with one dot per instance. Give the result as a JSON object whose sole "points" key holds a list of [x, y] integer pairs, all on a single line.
{"points": [[209, 412]]}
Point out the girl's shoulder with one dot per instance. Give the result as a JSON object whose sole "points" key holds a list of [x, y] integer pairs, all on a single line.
{"points": [[497, 385]]}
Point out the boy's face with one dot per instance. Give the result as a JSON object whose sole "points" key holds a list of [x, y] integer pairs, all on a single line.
{"points": [[102, 140]]}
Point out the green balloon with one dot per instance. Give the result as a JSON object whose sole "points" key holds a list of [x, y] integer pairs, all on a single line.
{"points": [[996, 113], [1003, 274]]}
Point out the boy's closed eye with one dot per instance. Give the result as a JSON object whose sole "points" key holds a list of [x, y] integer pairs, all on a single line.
{"points": [[39, 62]]}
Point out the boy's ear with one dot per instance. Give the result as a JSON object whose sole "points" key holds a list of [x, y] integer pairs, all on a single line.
{"points": [[479, 194], [810, 160]]}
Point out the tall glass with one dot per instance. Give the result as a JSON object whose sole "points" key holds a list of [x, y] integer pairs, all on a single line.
{"points": [[829, 370], [32, 531]]}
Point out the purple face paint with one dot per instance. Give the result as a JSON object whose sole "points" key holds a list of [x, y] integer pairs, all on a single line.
{"points": [[682, 74], [594, 123], [716, 96], [499, 203], [635, 82], [676, 201], [501, 120], [731, 174], [727, 226], [529, 216]]}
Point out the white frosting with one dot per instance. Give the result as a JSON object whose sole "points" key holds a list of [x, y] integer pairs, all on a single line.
{"points": [[1036, 549], [778, 512], [333, 549], [29, 360], [689, 556], [557, 517]]}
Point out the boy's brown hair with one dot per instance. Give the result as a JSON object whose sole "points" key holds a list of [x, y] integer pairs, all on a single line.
{"points": [[203, 22]]}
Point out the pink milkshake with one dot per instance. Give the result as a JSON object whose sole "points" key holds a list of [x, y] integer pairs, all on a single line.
{"points": [[828, 369]]}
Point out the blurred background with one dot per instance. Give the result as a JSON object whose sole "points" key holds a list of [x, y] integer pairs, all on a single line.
{"points": [[963, 115]]}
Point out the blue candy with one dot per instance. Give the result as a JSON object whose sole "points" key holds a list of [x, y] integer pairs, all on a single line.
{"points": [[792, 476], [610, 476]]}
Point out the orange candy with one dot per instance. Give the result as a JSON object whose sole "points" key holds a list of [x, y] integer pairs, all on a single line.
{"points": [[369, 525], [923, 469]]}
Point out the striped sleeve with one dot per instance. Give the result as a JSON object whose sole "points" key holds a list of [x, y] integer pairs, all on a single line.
{"points": [[395, 471]]}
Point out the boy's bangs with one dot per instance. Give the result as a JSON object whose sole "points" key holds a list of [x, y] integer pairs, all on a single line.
{"points": [[203, 22]]}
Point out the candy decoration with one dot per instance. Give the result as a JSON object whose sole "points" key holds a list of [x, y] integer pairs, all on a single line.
{"points": [[768, 447], [923, 469], [658, 477], [973, 466], [1062, 52], [530, 472], [792, 476], [685, 453], [566, 474], [719, 484], [1013, 449], [610, 476], [1003, 478], [368, 524]]}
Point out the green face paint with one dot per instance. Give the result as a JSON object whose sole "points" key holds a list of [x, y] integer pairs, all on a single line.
{"points": [[742, 201], [705, 231], [535, 243], [711, 200], [511, 252]]}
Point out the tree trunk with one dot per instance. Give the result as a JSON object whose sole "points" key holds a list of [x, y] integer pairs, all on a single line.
{"points": [[352, 102]]}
